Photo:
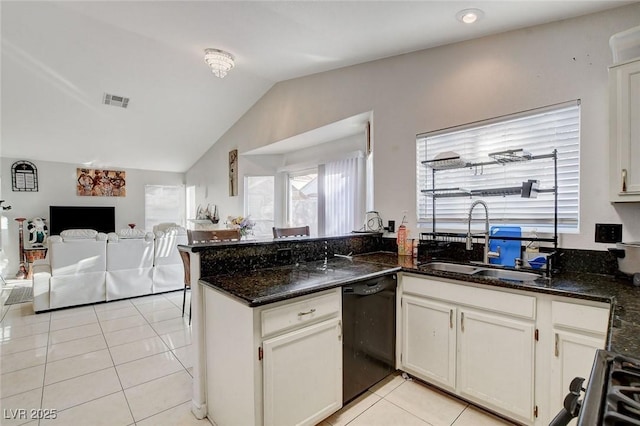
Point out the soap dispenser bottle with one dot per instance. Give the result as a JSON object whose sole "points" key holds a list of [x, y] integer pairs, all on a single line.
{"points": [[402, 238]]}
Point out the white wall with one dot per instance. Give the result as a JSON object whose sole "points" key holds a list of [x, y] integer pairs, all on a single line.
{"points": [[443, 87], [57, 186]]}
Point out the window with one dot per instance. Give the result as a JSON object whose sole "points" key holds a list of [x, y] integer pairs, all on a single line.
{"points": [[302, 199], [329, 198], [537, 132], [162, 204], [259, 203]]}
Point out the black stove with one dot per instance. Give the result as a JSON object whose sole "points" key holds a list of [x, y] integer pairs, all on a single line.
{"points": [[612, 397]]}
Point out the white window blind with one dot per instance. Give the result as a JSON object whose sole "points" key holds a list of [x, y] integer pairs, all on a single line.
{"points": [[344, 195], [163, 204], [330, 198], [259, 192], [537, 132]]}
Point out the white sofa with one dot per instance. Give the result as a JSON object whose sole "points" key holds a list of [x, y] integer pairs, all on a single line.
{"points": [[73, 272], [129, 264], [167, 264], [84, 266]]}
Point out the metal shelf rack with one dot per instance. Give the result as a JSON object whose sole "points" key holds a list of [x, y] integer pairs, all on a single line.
{"points": [[497, 158]]}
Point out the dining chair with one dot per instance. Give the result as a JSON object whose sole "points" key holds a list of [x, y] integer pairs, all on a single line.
{"points": [[299, 231], [212, 235], [202, 237]]}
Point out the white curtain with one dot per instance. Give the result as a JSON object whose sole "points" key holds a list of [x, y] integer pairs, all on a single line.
{"points": [[344, 195]]}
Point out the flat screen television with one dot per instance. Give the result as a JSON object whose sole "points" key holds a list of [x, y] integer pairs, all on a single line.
{"points": [[102, 219]]}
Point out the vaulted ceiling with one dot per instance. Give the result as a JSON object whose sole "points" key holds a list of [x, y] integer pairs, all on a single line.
{"points": [[59, 58]]}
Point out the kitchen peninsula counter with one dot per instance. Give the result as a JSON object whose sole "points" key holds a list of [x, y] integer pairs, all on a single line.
{"points": [[263, 286]]}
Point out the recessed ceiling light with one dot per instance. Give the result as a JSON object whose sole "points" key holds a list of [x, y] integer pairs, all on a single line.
{"points": [[469, 16]]}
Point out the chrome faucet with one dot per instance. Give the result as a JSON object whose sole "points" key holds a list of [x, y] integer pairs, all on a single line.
{"points": [[487, 254]]}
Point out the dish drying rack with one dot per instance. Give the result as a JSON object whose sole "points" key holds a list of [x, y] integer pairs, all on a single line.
{"points": [[439, 240]]}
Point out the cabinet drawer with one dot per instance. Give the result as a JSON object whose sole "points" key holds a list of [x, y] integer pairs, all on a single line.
{"points": [[580, 317], [492, 300], [297, 314]]}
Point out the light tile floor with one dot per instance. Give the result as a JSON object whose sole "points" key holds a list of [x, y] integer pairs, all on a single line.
{"points": [[120, 363], [130, 363], [402, 401]]}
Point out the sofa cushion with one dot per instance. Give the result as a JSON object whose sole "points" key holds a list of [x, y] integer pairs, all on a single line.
{"points": [[161, 227], [84, 235], [131, 233], [78, 234]]}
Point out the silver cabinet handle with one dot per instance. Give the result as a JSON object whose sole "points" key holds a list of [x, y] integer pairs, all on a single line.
{"points": [[624, 180], [450, 318], [300, 314], [557, 346], [462, 321]]}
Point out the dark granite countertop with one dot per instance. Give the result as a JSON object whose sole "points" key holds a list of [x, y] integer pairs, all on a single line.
{"points": [[263, 286], [624, 329]]}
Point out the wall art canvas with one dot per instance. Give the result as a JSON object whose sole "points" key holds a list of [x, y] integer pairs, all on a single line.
{"points": [[233, 172], [101, 183]]}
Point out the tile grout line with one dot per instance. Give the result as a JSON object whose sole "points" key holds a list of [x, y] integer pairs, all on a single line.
{"points": [[44, 374], [163, 411], [458, 416], [124, 394], [402, 408]]}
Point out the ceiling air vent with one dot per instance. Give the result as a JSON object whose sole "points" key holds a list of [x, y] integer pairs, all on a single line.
{"points": [[115, 100]]}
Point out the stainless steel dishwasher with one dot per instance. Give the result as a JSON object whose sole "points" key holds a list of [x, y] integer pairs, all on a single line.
{"points": [[369, 334]]}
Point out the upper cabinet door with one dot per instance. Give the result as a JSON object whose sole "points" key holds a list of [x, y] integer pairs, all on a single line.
{"points": [[624, 128]]}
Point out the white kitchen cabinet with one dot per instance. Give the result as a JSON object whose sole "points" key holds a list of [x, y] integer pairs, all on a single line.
{"points": [[303, 375], [496, 361], [577, 332], [279, 364], [624, 132], [429, 340], [473, 341]]}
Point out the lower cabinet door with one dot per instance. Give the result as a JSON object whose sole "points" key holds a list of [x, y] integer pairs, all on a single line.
{"points": [[496, 362], [302, 374], [573, 357], [429, 340]]}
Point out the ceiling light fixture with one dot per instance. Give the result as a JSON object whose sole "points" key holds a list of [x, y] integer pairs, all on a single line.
{"points": [[469, 16], [219, 61]]}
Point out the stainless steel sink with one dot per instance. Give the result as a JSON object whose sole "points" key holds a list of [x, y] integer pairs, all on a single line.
{"points": [[479, 271], [502, 274], [449, 267]]}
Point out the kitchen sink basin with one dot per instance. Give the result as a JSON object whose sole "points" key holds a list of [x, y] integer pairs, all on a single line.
{"points": [[502, 274], [480, 271], [449, 267]]}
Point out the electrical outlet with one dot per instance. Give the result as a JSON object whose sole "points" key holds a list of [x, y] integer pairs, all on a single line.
{"points": [[392, 226], [608, 232], [283, 255]]}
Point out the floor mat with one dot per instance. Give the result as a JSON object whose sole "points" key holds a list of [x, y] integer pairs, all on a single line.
{"points": [[20, 295]]}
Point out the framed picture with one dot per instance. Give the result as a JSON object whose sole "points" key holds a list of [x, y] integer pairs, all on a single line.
{"points": [[24, 177], [101, 183]]}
